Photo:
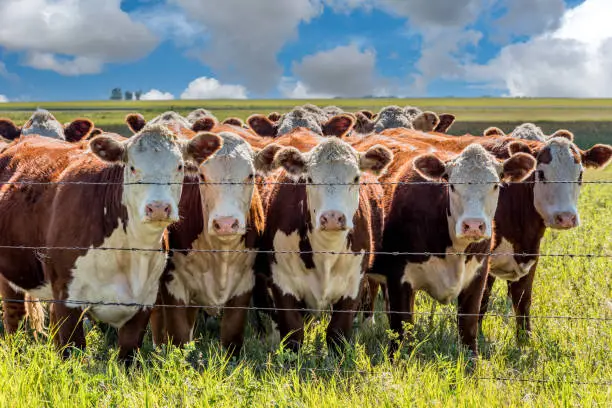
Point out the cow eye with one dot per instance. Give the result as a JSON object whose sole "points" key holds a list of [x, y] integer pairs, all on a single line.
{"points": [[251, 177], [309, 180], [356, 180], [580, 178], [180, 167], [132, 169], [495, 187], [452, 188], [541, 176]]}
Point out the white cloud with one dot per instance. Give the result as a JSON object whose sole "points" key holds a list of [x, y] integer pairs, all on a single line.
{"points": [[244, 37], [528, 17], [156, 95], [346, 71], [3, 99], [211, 88], [292, 89], [574, 60], [72, 37]]}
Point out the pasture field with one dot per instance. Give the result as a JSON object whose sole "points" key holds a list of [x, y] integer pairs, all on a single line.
{"points": [[567, 362], [589, 119]]}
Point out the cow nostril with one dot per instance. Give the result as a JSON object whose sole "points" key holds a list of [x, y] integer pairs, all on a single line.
{"points": [[235, 225], [216, 225], [342, 220], [482, 228]]}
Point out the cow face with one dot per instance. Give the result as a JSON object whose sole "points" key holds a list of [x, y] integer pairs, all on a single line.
{"points": [[43, 123], [473, 187], [558, 176], [332, 170], [155, 158], [228, 186]]}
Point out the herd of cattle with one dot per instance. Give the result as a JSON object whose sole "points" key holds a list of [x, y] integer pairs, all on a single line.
{"points": [[288, 214]]}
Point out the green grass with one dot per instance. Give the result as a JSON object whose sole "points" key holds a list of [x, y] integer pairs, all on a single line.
{"points": [[434, 374]]}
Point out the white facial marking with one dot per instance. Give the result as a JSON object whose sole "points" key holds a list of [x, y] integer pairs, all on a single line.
{"points": [[557, 199], [334, 277], [43, 123], [442, 278]]}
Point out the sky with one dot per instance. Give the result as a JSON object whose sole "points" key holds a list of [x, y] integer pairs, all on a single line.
{"points": [[64, 50]]}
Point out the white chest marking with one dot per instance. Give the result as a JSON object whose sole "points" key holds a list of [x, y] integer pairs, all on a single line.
{"points": [[211, 279], [444, 278], [117, 276], [505, 266], [334, 276], [41, 292]]}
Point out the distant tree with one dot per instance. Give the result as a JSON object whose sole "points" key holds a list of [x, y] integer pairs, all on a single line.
{"points": [[116, 94], [138, 94], [128, 95]]}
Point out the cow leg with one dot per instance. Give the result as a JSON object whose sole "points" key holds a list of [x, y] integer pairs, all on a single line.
{"points": [[262, 300], [131, 335], [341, 323], [69, 325], [13, 312], [486, 297], [520, 292], [373, 286], [177, 322], [290, 320], [158, 328], [401, 309], [469, 309], [233, 322]]}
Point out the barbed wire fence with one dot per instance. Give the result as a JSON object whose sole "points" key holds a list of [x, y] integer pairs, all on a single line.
{"points": [[601, 320]]}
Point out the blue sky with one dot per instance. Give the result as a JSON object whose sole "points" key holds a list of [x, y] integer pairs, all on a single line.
{"points": [[81, 49]]}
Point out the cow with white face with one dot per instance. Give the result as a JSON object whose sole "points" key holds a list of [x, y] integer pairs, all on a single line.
{"points": [[445, 230], [43, 123], [224, 213], [318, 207], [120, 193], [198, 122]]}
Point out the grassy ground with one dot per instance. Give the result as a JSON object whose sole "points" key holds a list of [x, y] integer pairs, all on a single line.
{"points": [[551, 370]]}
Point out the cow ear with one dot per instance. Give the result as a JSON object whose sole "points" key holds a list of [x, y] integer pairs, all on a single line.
{"points": [[375, 160], [493, 131], [78, 129], [9, 130], [563, 133], [597, 156], [518, 167], [426, 121], [203, 124], [233, 121], [446, 121], [363, 124], [519, 147], [274, 116], [291, 160], [263, 161], [368, 114], [202, 146], [108, 149], [262, 125], [135, 122], [339, 125], [429, 167]]}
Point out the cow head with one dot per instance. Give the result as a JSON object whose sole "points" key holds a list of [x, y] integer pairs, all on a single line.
{"points": [[197, 121], [425, 121], [43, 123], [156, 158], [228, 186], [473, 179], [558, 176], [332, 170], [339, 125]]}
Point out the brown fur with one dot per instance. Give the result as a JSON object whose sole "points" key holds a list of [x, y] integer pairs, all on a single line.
{"points": [[446, 121]]}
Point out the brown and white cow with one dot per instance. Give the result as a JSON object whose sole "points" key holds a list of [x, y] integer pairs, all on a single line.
{"points": [[339, 125], [137, 187], [438, 226], [317, 207], [224, 214], [197, 122], [43, 123], [525, 210]]}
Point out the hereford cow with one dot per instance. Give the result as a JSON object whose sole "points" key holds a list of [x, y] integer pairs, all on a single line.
{"points": [[394, 116], [525, 210], [317, 206], [43, 123], [198, 121], [438, 226], [215, 216], [137, 187], [339, 125]]}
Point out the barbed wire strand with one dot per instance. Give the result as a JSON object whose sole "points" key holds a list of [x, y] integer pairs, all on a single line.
{"points": [[313, 252], [304, 309]]}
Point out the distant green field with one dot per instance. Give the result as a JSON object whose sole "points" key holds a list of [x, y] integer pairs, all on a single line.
{"points": [[589, 119]]}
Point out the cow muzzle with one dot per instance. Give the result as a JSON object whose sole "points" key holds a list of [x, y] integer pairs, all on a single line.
{"points": [[226, 226], [565, 220], [473, 229], [158, 211], [332, 221]]}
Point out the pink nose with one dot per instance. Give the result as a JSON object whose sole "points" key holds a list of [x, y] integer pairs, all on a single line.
{"points": [[226, 225], [473, 228], [565, 220], [332, 221], [158, 211]]}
